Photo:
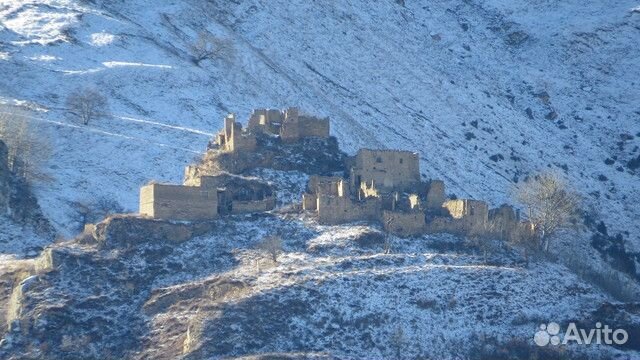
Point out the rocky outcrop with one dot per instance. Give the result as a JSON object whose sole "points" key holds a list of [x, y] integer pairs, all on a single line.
{"points": [[24, 208], [130, 230], [309, 155], [17, 199]]}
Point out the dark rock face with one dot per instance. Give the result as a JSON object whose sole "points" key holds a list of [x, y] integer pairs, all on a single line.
{"points": [[103, 309], [125, 230], [93, 299], [17, 200], [612, 249], [24, 207]]}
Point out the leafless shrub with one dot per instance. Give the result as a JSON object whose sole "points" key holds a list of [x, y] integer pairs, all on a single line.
{"points": [[28, 151], [272, 245], [97, 210], [549, 203], [209, 47], [87, 104]]}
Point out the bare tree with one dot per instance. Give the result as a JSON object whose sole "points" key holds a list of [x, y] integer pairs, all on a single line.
{"points": [[28, 151], [209, 47], [550, 205], [272, 245], [87, 104]]}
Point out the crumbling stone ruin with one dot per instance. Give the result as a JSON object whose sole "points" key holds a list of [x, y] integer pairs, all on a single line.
{"points": [[205, 197], [378, 185], [277, 139], [385, 186], [289, 125]]}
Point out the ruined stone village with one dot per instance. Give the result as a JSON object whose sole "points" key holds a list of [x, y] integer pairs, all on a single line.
{"points": [[375, 185]]}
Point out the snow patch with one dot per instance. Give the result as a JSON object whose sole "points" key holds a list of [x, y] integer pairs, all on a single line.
{"points": [[113, 64], [44, 58], [102, 39]]}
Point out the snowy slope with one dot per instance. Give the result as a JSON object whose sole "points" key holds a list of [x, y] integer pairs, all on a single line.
{"points": [[486, 90], [451, 80], [327, 293]]}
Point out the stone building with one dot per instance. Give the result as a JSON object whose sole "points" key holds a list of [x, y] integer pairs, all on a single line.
{"points": [[237, 194], [435, 195], [234, 138], [276, 139], [289, 124], [266, 120], [385, 186], [178, 202], [386, 170], [504, 222], [206, 197], [402, 223]]}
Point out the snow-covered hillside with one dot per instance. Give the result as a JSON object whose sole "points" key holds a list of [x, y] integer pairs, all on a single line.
{"points": [[486, 91], [334, 293]]}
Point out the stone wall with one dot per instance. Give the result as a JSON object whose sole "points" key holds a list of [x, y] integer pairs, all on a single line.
{"points": [[339, 210], [289, 124], [473, 215], [309, 202], [313, 127], [266, 120], [414, 202], [244, 141], [441, 224], [503, 222], [478, 213], [241, 140], [327, 185], [253, 206], [192, 175], [295, 126], [233, 138], [435, 194], [456, 208], [125, 230], [388, 169], [177, 202], [404, 223]]}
